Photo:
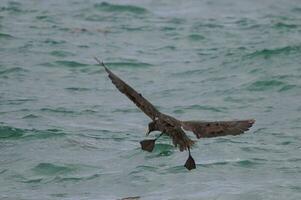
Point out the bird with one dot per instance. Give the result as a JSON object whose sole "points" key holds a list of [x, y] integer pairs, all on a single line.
{"points": [[175, 128]]}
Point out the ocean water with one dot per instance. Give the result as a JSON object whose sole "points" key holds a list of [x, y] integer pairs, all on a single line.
{"points": [[67, 133]]}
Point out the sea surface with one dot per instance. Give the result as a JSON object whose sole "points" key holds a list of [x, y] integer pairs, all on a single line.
{"points": [[67, 133]]}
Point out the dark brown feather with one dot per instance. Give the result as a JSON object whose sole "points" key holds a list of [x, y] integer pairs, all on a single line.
{"points": [[173, 127], [133, 95], [219, 128], [179, 138]]}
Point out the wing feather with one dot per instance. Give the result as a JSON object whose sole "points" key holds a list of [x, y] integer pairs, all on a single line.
{"points": [[179, 138], [133, 95], [204, 129]]}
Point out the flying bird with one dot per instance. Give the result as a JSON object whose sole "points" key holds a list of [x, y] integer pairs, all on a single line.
{"points": [[176, 128]]}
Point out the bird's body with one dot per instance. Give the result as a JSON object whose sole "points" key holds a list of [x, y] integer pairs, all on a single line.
{"points": [[173, 127]]}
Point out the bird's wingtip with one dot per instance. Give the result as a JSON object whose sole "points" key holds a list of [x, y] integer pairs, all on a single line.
{"points": [[101, 63]]}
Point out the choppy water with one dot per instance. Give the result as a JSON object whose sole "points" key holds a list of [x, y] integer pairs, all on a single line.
{"points": [[67, 133]]}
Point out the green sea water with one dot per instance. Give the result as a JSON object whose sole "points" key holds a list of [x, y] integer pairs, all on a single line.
{"points": [[67, 133]]}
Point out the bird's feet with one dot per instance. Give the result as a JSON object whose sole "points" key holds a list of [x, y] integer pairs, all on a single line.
{"points": [[190, 164], [148, 145]]}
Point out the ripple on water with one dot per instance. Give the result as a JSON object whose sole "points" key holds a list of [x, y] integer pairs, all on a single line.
{"points": [[177, 169], [61, 53], [43, 134], [12, 7], [272, 84], [30, 116], [12, 71], [288, 87], [128, 64], [54, 42], [126, 110], [58, 110], [46, 18], [5, 36], [246, 163], [179, 109], [142, 168], [7, 132], [52, 169], [104, 6], [77, 89], [3, 171], [15, 102], [239, 163], [268, 53], [195, 37], [286, 26], [68, 63]]}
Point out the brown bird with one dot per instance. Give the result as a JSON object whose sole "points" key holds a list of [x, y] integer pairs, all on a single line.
{"points": [[173, 127]]}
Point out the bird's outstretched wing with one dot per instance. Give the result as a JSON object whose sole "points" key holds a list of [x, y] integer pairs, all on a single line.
{"points": [[133, 95], [219, 128]]}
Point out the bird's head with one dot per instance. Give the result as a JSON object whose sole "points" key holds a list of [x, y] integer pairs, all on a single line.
{"points": [[152, 126]]}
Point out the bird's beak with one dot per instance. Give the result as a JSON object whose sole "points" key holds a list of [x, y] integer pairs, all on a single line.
{"points": [[147, 131]]}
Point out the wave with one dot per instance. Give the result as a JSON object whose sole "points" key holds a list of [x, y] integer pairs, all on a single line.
{"points": [[77, 89], [240, 163], [267, 53], [60, 53], [54, 42], [7, 132], [141, 168], [58, 110], [49, 172], [43, 134], [14, 7], [15, 102], [51, 169], [104, 6], [199, 107], [263, 85], [282, 25], [273, 84], [5, 36], [288, 87], [67, 63], [128, 64], [12, 70], [191, 72], [195, 37], [126, 110], [64, 63], [64, 178], [210, 25], [30, 116]]}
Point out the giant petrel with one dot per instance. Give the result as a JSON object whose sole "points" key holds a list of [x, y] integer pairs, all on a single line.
{"points": [[173, 127]]}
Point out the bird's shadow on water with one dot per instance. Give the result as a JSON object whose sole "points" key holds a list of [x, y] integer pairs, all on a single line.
{"points": [[138, 156], [160, 150]]}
